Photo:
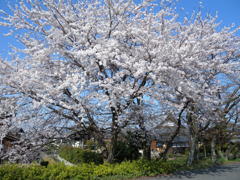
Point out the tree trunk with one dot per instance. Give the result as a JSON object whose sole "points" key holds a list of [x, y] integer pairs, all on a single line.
{"points": [[229, 150], [221, 154], [196, 154], [147, 152], [146, 145], [170, 141], [163, 155], [204, 151], [112, 148], [213, 149], [192, 151], [114, 138], [193, 131]]}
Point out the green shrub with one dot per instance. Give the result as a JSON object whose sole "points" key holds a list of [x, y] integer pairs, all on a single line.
{"points": [[91, 145], [102, 170], [126, 151], [55, 171], [77, 155], [91, 171], [10, 172], [21, 172]]}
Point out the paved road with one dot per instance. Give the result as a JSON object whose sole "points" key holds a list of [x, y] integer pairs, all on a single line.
{"points": [[225, 172]]}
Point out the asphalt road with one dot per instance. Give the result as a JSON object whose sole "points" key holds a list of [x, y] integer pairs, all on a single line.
{"points": [[224, 172]]}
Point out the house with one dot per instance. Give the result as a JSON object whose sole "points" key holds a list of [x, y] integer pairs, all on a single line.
{"points": [[7, 141], [74, 139], [163, 134], [77, 139]]}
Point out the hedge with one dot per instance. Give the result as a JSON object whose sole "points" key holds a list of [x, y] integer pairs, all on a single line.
{"points": [[91, 171], [85, 171]]}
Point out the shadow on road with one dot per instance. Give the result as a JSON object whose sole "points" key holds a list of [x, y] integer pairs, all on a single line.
{"points": [[216, 172], [213, 171]]}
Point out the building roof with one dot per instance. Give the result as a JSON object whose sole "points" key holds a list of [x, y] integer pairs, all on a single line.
{"points": [[14, 134]]}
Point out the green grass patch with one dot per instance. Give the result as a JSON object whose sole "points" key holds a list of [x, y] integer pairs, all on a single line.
{"points": [[224, 161]]}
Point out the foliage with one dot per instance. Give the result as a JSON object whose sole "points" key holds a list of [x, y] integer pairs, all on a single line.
{"points": [[91, 145], [87, 171], [76, 155], [52, 172], [126, 151], [18, 172], [104, 171]]}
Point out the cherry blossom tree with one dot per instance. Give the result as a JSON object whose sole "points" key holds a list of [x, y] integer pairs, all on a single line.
{"points": [[83, 63], [7, 109]]}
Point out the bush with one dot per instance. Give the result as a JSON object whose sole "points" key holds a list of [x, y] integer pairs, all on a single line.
{"points": [[77, 155], [126, 151], [91, 171], [91, 145], [56, 171], [17, 172]]}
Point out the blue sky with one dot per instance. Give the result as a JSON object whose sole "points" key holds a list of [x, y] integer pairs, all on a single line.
{"points": [[228, 13]]}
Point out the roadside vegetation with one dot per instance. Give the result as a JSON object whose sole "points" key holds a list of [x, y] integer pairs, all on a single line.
{"points": [[84, 171], [89, 165]]}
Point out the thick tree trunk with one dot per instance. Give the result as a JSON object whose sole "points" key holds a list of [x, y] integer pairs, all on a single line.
{"points": [[196, 154], [192, 151], [229, 150], [221, 154], [204, 151], [114, 138], [112, 148], [194, 133], [170, 141], [163, 155], [227, 153], [146, 145], [147, 152], [213, 149]]}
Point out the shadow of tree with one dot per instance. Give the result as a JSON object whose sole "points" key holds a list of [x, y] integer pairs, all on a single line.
{"points": [[201, 174], [213, 171]]}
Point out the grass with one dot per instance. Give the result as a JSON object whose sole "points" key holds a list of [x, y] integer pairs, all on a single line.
{"points": [[223, 161]]}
